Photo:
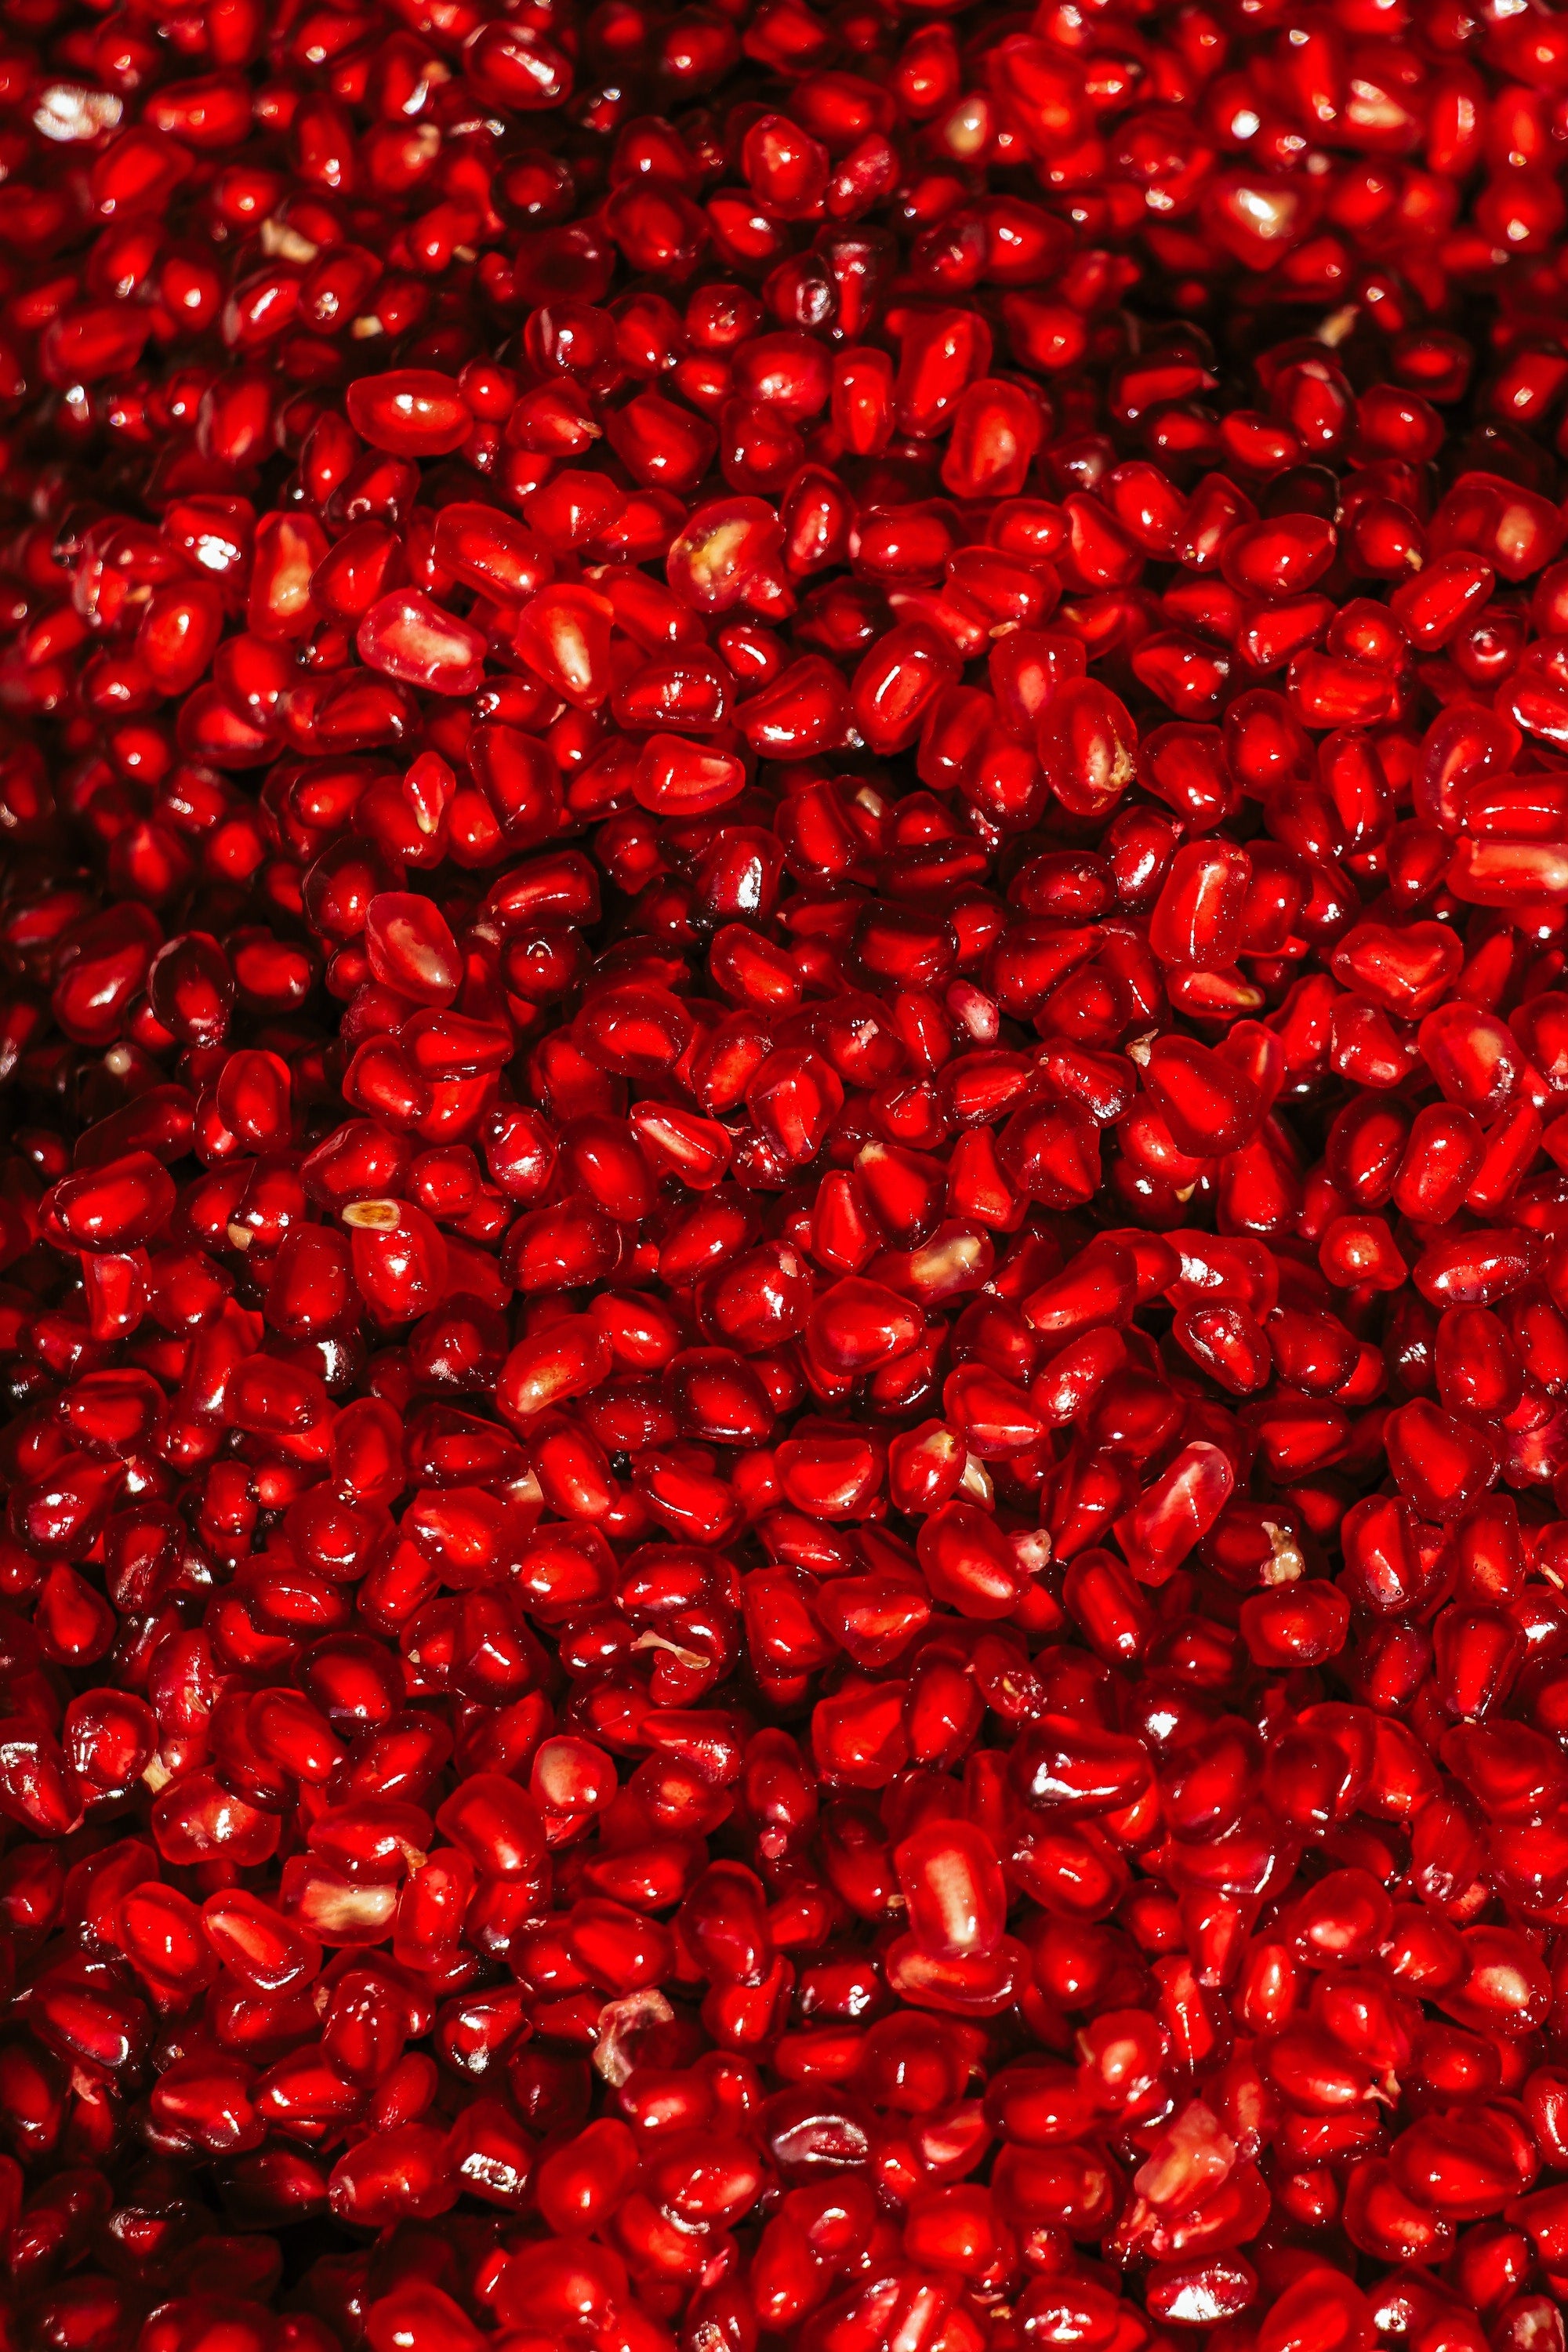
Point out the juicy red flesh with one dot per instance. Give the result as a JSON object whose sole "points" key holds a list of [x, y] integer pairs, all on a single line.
{"points": [[784, 1220]]}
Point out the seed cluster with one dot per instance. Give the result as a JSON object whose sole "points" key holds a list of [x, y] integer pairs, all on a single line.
{"points": [[783, 1216]]}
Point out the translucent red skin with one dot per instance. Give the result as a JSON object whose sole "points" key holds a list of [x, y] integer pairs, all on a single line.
{"points": [[780, 1252]]}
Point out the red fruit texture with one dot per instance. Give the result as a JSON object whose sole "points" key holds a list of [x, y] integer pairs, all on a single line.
{"points": [[783, 1176]]}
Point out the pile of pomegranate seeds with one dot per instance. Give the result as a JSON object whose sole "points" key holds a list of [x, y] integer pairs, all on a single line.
{"points": [[784, 1220]]}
